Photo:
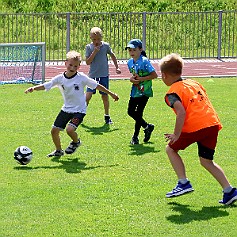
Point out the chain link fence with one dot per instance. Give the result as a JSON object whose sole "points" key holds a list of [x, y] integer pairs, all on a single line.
{"points": [[194, 35]]}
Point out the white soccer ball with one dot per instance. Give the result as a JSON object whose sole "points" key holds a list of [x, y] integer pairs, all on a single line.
{"points": [[23, 155]]}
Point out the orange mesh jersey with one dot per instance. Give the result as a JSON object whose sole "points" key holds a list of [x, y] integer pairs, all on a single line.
{"points": [[199, 110]]}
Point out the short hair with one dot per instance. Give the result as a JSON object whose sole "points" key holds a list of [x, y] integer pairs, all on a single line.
{"points": [[172, 63], [96, 31], [73, 55]]}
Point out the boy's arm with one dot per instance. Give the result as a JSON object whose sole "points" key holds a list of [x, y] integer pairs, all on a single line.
{"points": [[114, 59], [92, 56], [180, 117], [103, 89], [151, 76], [36, 88]]}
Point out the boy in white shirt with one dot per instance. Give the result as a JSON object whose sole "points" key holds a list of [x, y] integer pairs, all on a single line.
{"points": [[71, 84]]}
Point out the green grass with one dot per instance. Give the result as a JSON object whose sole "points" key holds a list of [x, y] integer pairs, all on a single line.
{"points": [[109, 188]]}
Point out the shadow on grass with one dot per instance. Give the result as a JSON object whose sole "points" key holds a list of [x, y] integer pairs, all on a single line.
{"points": [[140, 149], [70, 166], [186, 215], [99, 130]]}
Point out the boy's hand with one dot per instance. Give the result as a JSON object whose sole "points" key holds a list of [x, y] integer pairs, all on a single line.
{"points": [[97, 49], [115, 96], [134, 80], [118, 71], [30, 89], [171, 137]]}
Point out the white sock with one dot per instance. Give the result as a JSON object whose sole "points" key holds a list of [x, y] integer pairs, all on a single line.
{"points": [[183, 181], [228, 189]]}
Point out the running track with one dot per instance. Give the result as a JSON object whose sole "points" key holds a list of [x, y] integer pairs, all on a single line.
{"points": [[192, 68]]}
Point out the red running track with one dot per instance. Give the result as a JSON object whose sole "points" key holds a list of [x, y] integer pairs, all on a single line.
{"points": [[192, 68]]}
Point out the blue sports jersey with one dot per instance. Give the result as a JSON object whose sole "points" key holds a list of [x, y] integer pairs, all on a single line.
{"points": [[142, 67]]}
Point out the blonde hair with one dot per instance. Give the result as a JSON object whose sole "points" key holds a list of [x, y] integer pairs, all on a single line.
{"points": [[73, 55], [96, 31], [172, 63]]}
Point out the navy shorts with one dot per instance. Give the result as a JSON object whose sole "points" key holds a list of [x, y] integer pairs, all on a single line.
{"points": [[74, 119], [104, 81]]}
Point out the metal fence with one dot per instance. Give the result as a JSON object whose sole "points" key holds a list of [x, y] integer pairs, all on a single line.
{"points": [[191, 34]]}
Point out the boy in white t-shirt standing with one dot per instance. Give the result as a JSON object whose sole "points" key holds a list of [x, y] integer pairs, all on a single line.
{"points": [[71, 84]]}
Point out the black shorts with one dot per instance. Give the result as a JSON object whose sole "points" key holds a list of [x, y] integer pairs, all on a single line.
{"points": [[74, 119]]}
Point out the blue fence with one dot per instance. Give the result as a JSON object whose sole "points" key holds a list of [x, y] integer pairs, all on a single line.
{"points": [[191, 34]]}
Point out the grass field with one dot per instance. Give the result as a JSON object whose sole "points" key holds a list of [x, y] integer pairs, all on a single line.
{"points": [[108, 187]]}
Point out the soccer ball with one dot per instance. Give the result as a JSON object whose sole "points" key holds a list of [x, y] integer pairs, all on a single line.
{"points": [[23, 155]]}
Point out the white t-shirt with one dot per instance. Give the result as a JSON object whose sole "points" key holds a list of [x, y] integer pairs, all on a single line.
{"points": [[72, 90]]}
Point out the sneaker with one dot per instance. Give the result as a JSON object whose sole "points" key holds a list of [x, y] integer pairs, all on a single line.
{"points": [[134, 140], [108, 120], [148, 131], [72, 147], [180, 189], [56, 153], [229, 198]]}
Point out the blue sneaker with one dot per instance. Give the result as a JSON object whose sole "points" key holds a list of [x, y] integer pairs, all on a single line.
{"points": [[229, 198], [180, 189]]}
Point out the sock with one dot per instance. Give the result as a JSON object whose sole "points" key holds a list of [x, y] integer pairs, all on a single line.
{"points": [[183, 181], [228, 189]]}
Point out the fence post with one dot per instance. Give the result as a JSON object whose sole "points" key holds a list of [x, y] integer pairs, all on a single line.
{"points": [[144, 30], [219, 34], [68, 32]]}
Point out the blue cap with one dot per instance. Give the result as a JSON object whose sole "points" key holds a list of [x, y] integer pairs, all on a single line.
{"points": [[134, 43]]}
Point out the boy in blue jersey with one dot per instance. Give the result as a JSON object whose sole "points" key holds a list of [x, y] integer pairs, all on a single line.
{"points": [[96, 57], [142, 75]]}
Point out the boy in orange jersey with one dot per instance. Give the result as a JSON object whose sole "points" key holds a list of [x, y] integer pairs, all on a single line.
{"points": [[196, 121]]}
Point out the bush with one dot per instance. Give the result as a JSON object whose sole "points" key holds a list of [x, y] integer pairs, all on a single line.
{"points": [[39, 6]]}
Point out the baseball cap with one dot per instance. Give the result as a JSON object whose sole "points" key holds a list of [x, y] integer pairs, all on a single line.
{"points": [[134, 43]]}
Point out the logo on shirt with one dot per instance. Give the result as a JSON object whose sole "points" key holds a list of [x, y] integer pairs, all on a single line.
{"points": [[199, 97], [76, 87]]}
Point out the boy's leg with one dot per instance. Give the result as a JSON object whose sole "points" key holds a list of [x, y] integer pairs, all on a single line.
{"points": [[107, 118], [75, 143], [59, 124], [75, 121], [104, 81], [136, 107], [216, 171], [105, 99], [176, 162], [230, 193], [90, 92], [56, 138], [183, 185], [71, 131]]}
